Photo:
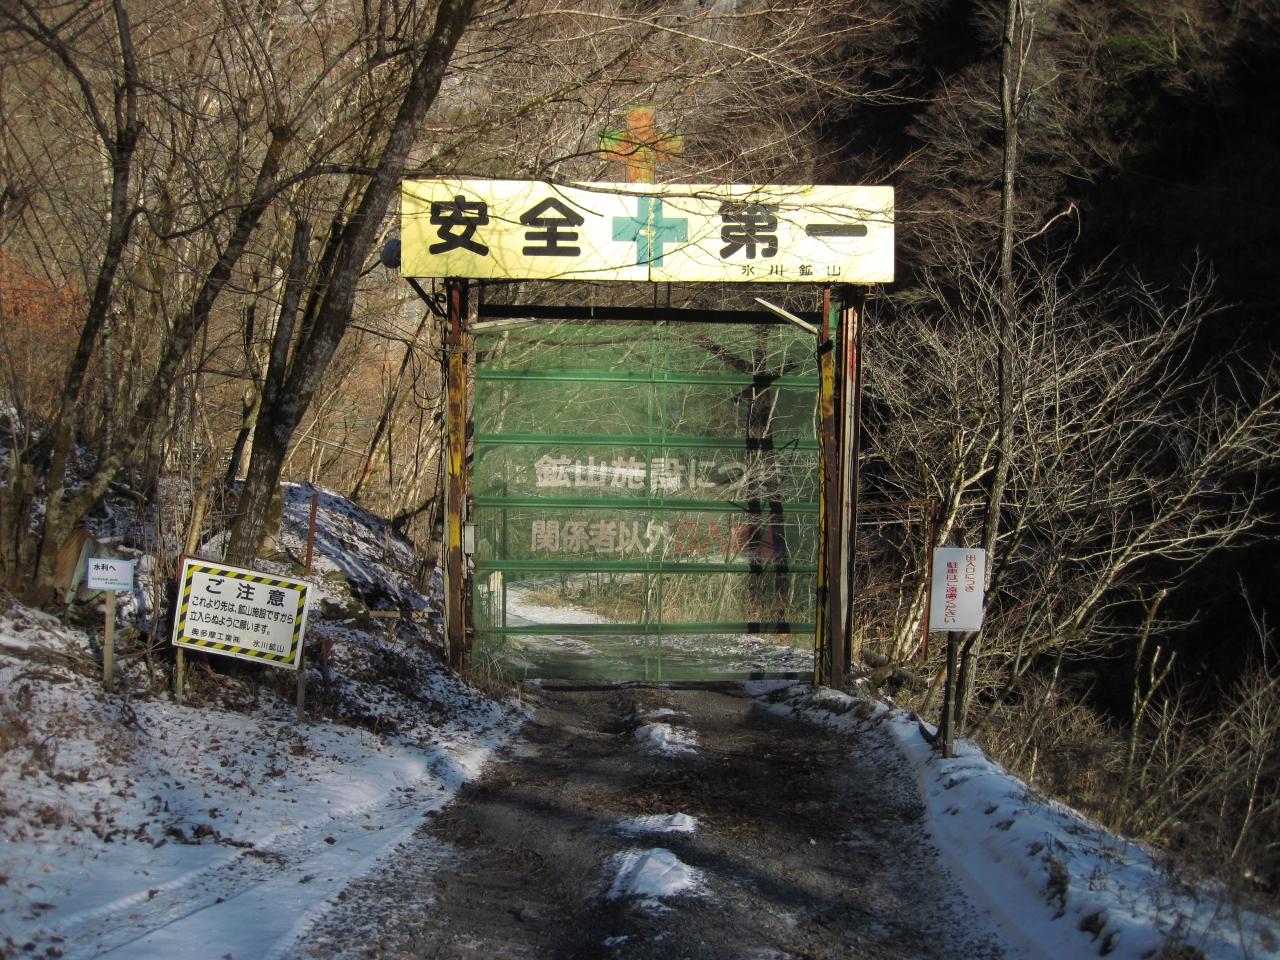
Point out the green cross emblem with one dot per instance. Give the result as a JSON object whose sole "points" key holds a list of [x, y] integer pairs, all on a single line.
{"points": [[649, 230]]}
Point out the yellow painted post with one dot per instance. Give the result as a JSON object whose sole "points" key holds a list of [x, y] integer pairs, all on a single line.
{"points": [[850, 395], [830, 661], [455, 610]]}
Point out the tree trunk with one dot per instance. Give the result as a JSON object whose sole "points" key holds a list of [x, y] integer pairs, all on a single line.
{"points": [[323, 329], [259, 499], [32, 569], [62, 516], [249, 406], [1011, 62]]}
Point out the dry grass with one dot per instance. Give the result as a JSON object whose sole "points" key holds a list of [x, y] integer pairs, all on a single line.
{"points": [[484, 672], [1203, 787]]}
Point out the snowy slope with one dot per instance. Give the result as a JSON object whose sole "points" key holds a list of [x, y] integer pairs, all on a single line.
{"points": [[1058, 885], [132, 826]]}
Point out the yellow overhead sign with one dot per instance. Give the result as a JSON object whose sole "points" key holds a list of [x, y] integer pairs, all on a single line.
{"points": [[535, 230]]}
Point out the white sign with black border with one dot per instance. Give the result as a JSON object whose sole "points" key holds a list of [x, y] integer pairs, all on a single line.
{"points": [[109, 574], [236, 612]]}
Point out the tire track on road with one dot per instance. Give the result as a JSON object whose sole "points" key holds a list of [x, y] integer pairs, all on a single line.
{"points": [[809, 844]]}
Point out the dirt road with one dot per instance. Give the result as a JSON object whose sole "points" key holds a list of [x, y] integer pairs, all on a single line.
{"points": [[807, 845]]}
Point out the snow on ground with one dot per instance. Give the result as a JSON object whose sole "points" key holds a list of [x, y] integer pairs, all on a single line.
{"points": [[658, 823], [664, 739], [652, 875], [658, 713], [132, 826], [523, 608], [746, 653], [1059, 885]]}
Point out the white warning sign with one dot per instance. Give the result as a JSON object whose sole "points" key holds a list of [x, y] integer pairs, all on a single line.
{"points": [[959, 580], [241, 613]]}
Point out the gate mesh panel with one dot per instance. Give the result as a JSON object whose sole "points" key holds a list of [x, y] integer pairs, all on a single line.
{"points": [[645, 501]]}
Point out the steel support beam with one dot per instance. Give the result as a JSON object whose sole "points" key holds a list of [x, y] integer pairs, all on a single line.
{"points": [[504, 311]]}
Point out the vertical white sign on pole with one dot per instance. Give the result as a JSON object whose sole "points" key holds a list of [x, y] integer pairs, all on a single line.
{"points": [[111, 576], [956, 592]]}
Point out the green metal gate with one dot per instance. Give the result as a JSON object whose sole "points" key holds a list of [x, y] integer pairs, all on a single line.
{"points": [[645, 500]]}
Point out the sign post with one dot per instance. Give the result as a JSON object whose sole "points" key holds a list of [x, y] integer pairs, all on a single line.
{"points": [[456, 414], [955, 605], [111, 576], [829, 640], [241, 613]]}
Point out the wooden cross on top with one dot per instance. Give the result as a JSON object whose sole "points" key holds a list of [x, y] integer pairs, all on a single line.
{"points": [[641, 146]]}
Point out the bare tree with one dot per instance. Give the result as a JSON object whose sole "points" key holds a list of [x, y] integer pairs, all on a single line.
{"points": [[333, 296], [202, 131], [1132, 463]]}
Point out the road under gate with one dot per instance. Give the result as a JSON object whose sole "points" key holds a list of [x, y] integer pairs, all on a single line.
{"points": [[807, 844]]}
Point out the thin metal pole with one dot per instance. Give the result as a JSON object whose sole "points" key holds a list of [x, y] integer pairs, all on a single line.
{"points": [[455, 482], [850, 444], [856, 481], [848, 514], [788, 316], [949, 699], [180, 660], [302, 680], [821, 651]]}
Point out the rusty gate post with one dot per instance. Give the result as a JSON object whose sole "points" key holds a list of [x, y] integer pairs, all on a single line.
{"points": [[455, 573], [850, 390], [830, 665]]}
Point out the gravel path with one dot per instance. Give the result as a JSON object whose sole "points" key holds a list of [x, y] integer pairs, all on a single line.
{"points": [[807, 845]]}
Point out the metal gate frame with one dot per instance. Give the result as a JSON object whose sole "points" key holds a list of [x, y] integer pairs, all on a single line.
{"points": [[838, 351]]}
